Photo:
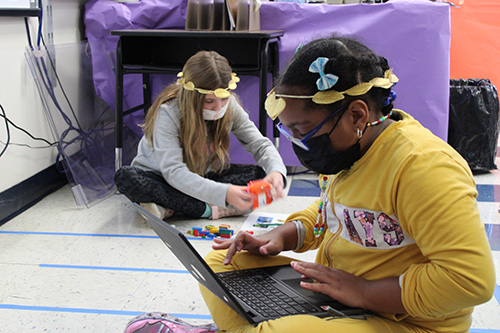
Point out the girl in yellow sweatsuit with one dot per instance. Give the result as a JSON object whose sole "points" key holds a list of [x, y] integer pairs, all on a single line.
{"points": [[397, 225]]}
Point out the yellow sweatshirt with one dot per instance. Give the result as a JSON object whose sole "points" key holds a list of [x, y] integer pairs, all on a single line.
{"points": [[408, 209]]}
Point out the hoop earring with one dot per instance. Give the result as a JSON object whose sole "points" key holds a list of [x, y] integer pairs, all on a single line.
{"points": [[359, 133]]}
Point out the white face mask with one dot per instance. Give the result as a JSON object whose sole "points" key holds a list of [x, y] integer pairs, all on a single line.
{"points": [[214, 115]]}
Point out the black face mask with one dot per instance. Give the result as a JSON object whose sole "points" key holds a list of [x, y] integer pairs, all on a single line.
{"points": [[322, 158]]}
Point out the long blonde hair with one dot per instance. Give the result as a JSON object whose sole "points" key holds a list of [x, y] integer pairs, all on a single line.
{"points": [[208, 70]]}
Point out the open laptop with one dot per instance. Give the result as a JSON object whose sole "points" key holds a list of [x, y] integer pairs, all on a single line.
{"points": [[278, 284]]}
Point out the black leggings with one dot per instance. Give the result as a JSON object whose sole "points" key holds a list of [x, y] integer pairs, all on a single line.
{"points": [[139, 185]]}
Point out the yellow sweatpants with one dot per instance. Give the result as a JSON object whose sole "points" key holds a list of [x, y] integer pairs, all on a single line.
{"points": [[228, 320]]}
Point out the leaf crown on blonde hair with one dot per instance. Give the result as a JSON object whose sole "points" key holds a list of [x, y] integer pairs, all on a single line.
{"points": [[219, 92]]}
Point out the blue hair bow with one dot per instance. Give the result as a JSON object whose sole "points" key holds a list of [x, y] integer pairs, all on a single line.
{"points": [[325, 81]]}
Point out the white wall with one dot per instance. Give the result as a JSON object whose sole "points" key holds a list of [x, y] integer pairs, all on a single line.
{"points": [[18, 94]]}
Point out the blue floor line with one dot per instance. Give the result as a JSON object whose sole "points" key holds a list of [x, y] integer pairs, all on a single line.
{"points": [[136, 313], [74, 234], [174, 271], [96, 311], [105, 268], [88, 235], [199, 238], [492, 230]]}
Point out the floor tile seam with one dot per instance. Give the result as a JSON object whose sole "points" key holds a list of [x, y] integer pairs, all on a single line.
{"points": [[132, 296], [52, 233], [115, 268], [94, 311], [57, 254], [19, 264]]}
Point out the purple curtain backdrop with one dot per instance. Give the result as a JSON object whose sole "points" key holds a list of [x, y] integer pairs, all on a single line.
{"points": [[413, 35]]}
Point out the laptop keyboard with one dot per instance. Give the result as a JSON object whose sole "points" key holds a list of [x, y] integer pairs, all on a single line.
{"points": [[264, 295]]}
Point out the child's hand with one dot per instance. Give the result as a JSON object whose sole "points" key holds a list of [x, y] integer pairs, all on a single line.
{"points": [[338, 284], [239, 197], [382, 295], [276, 180], [263, 245]]}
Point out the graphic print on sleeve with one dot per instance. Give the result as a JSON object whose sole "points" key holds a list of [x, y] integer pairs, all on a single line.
{"points": [[370, 229]]}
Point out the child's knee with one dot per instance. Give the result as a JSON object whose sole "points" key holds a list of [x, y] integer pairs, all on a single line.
{"points": [[123, 174], [215, 258]]}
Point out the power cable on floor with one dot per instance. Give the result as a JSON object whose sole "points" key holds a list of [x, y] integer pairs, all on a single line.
{"points": [[9, 123]]}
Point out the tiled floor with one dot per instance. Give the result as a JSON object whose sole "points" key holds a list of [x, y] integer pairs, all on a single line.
{"points": [[70, 269]]}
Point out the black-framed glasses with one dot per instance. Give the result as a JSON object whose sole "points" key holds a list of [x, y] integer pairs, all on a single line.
{"points": [[302, 142]]}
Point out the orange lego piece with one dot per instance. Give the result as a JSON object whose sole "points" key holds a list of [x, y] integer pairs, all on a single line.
{"points": [[261, 192]]}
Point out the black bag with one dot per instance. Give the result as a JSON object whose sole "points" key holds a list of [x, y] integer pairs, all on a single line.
{"points": [[474, 122]]}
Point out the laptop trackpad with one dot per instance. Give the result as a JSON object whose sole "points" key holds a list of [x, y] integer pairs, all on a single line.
{"points": [[308, 294]]}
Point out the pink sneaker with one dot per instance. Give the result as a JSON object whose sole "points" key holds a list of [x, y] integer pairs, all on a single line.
{"points": [[157, 322]]}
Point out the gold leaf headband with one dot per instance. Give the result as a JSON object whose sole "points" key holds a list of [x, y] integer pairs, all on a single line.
{"points": [[275, 105], [219, 92]]}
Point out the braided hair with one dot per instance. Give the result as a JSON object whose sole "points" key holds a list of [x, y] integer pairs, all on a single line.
{"points": [[349, 59]]}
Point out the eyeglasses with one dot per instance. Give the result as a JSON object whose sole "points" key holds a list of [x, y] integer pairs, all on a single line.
{"points": [[302, 142]]}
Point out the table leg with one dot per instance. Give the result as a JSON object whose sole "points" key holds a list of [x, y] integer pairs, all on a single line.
{"points": [[275, 72], [118, 108], [146, 85], [263, 89]]}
